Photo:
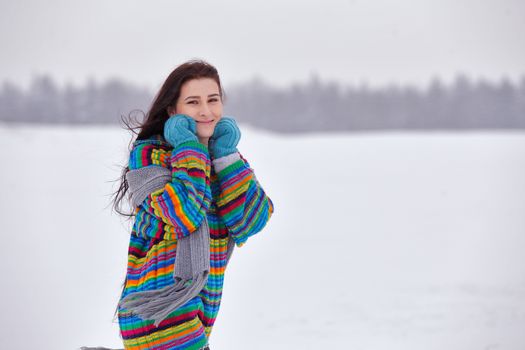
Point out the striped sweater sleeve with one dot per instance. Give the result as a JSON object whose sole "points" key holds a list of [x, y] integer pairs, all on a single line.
{"points": [[242, 203], [184, 201]]}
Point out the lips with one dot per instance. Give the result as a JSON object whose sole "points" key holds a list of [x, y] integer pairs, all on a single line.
{"points": [[205, 122]]}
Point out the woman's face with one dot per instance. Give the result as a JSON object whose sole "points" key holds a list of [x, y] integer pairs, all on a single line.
{"points": [[200, 99]]}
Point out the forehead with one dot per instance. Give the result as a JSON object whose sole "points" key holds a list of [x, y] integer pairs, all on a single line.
{"points": [[199, 87]]}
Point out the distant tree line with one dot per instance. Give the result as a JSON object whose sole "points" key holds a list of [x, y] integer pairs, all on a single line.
{"points": [[310, 106]]}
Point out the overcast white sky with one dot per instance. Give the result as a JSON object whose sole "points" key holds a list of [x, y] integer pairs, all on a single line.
{"points": [[281, 41]]}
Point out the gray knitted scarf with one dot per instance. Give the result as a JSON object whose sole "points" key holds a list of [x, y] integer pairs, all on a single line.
{"points": [[192, 264]]}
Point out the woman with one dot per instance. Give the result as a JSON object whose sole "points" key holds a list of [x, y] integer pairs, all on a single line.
{"points": [[194, 197]]}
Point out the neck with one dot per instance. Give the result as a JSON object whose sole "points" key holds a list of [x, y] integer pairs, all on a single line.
{"points": [[204, 140]]}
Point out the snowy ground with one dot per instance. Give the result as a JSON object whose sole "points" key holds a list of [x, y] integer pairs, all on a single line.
{"points": [[378, 241]]}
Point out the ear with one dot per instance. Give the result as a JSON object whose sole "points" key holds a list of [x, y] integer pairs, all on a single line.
{"points": [[170, 110]]}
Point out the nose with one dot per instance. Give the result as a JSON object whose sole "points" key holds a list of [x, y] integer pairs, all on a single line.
{"points": [[205, 111]]}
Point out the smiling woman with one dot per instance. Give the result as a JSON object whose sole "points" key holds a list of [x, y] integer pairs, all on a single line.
{"points": [[194, 198], [200, 99]]}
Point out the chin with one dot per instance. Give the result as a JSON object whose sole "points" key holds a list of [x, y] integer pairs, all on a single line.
{"points": [[205, 134]]}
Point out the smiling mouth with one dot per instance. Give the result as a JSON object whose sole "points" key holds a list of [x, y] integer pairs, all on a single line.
{"points": [[207, 122]]}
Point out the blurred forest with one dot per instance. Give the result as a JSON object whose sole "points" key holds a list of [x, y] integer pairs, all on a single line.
{"points": [[311, 106]]}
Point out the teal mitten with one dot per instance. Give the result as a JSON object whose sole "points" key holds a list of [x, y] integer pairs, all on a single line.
{"points": [[225, 138], [180, 128]]}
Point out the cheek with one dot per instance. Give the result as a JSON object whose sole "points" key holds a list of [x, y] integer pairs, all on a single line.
{"points": [[217, 119], [217, 110], [182, 109]]}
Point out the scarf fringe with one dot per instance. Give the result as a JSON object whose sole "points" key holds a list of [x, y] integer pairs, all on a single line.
{"points": [[156, 305]]}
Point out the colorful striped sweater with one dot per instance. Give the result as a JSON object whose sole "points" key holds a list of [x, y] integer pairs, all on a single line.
{"points": [[236, 207]]}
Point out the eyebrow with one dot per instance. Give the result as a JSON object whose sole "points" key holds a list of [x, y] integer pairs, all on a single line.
{"points": [[200, 97]]}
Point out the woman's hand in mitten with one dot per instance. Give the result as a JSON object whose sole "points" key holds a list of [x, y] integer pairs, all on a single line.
{"points": [[225, 138], [180, 128]]}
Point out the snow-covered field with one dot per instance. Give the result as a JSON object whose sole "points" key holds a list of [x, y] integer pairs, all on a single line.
{"points": [[379, 241]]}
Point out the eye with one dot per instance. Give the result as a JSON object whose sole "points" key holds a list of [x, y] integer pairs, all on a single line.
{"points": [[192, 102], [214, 100]]}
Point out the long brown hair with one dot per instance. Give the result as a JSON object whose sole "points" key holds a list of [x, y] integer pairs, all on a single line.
{"points": [[157, 115]]}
